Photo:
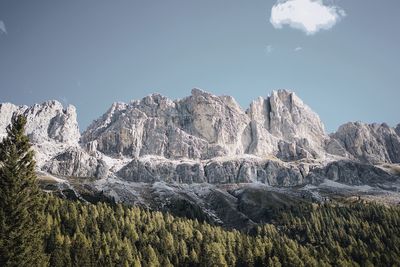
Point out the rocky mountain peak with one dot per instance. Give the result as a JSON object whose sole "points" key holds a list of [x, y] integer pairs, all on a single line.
{"points": [[285, 115], [155, 99], [200, 92], [117, 106], [49, 121], [154, 105], [50, 127], [199, 96], [217, 119], [7, 111], [291, 118], [298, 130], [204, 125], [372, 143], [46, 122], [199, 126], [201, 133]]}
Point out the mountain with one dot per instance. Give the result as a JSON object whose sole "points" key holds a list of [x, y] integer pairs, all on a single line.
{"points": [[205, 149], [204, 126], [370, 143], [50, 127]]}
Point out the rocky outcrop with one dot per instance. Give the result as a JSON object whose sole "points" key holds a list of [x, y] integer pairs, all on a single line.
{"points": [[198, 127], [204, 126], [215, 171], [7, 111], [217, 119], [50, 127], [352, 173], [153, 169], [369, 143], [46, 122], [250, 170], [335, 147], [75, 162], [299, 130]]}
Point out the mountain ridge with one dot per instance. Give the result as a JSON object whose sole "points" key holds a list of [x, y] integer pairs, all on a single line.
{"points": [[200, 138]]}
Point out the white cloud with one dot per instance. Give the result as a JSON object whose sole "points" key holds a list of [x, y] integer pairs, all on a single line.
{"points": [[309, 16], [2, 27], [297, 49]]}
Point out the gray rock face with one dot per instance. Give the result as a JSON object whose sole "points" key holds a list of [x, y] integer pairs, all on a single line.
{"points": [[204, 126], [296, 150], [269, 172], [63, 127], [197, 127], [334, 147], [288, 119], [75, 162], [50, 127], [158, 169], [352, 173], [215, 171], [54, 133], [218, 120], [45, 122], [7, 111], [369, 143], [146, 127], [278, 141]]}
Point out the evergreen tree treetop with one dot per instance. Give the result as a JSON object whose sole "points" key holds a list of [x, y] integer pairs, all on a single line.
{"points": [[21, 202]]}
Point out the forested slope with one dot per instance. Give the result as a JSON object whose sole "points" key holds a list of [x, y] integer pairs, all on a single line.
{"points": [[102, 234]]}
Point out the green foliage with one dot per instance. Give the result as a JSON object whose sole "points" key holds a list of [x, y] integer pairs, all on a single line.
{"points": [[368, 234], [21, 205], [117, 235]]}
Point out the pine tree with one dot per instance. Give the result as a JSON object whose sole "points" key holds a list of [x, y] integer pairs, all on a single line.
{"points": [[193, 258], [21, 203], [274, 262], [151, 257], [80, 250], [136, 263], [214, 255], [57, 255]]}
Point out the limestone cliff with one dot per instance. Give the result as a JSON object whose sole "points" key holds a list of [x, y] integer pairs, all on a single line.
{"points": [[204, 138]]}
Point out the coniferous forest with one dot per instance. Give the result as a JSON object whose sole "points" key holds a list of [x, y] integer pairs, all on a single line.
{"points": [[79, 234], [40, 229]]}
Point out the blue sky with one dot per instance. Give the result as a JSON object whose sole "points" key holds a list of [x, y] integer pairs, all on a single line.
{"points": [[342, 58]]}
